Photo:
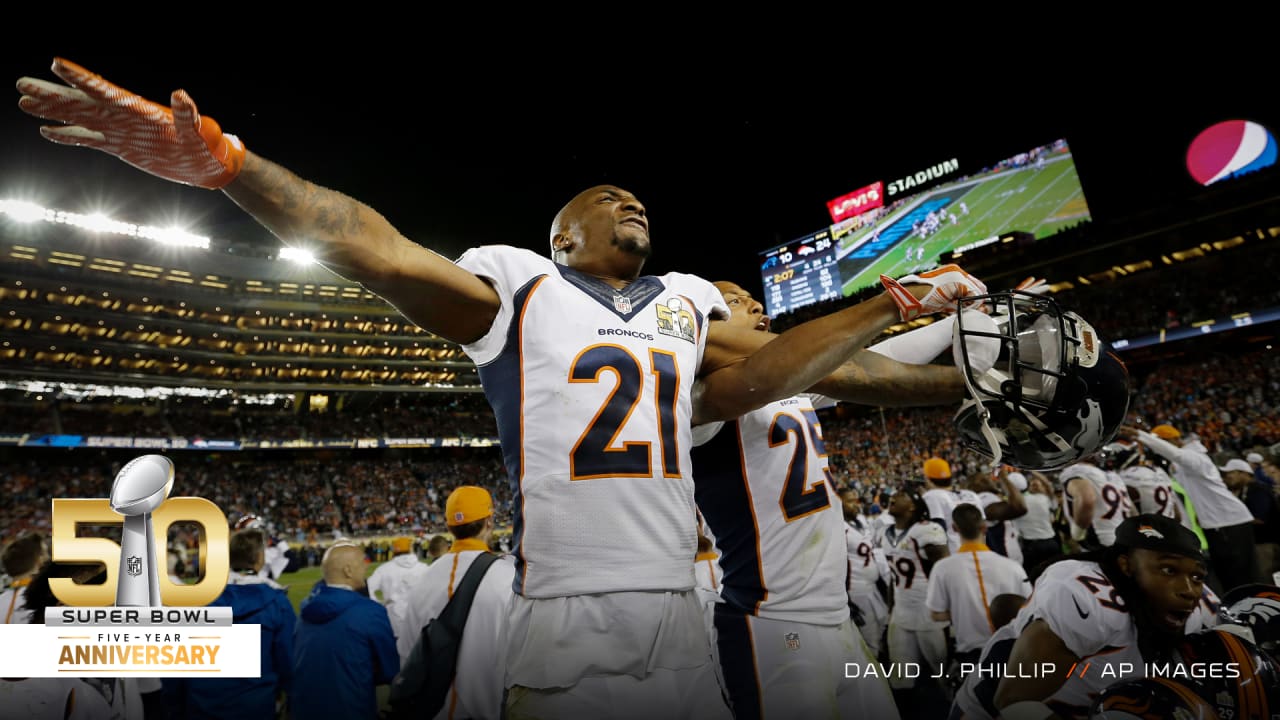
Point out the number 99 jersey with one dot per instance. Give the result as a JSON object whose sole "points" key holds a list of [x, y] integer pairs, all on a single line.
{"points": [[591, 390], [1112, 507], [1155, 492], [905, 551]]}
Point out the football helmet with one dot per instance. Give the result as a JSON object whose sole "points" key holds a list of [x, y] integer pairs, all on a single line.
{"points": [[1056, 393], [1150, 699], [1230, 673], [249, 522], [1258, 607], [1117, 456]]}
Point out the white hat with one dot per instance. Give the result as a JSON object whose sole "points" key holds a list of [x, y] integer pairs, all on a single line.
{"points": [[1253, 458], [1236, 464], [1018, 480]]}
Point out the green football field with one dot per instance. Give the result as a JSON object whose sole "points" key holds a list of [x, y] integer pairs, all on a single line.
{"points": [[1040, 202]]}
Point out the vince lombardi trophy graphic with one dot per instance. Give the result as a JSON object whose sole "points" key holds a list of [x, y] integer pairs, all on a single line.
{"points": [[140, 487]]}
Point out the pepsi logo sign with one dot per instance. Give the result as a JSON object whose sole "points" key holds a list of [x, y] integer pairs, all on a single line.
{"points": [[1230, 149]]}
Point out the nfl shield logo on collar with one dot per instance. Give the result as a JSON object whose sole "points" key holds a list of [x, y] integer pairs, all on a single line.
{"points": [[622, 303], [793, 641]]}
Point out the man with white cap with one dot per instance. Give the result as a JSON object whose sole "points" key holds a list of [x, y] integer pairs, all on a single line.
{"points": [[1259, 465], [481, 668], [1225, 519], [1261, 501]]}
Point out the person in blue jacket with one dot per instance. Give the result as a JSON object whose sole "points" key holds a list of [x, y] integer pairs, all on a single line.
{"points": [[343, 647], [254, 600]]}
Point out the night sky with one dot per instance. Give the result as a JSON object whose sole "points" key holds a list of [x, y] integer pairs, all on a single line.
{"points": [[730, 156]]}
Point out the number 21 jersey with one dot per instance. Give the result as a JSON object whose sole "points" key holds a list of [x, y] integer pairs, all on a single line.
{"points": [[591, 390]]}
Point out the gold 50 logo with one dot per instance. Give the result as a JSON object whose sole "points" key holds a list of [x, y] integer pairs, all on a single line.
{"points": [[136, 569]]}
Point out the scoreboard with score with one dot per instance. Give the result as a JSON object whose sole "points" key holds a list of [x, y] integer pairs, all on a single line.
{"points": [[800, 273]]}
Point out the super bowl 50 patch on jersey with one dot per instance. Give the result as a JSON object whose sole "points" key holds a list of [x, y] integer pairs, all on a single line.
{"points": [[675, 320]]}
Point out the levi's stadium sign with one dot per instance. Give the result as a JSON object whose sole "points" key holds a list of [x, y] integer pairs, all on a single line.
{"points": [[922, 177], [857, 202]]}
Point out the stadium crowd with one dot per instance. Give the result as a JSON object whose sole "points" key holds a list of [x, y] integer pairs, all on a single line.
{"points": [[1232, 400]]}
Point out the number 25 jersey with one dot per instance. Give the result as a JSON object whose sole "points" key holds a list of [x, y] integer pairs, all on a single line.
{"points": [[762, 484], [591, 390]]}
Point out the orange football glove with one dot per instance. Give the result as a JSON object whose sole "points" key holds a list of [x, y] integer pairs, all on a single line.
{"points": [[949, 284], [176, 143]]}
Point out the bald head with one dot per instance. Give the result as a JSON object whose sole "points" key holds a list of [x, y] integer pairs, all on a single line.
{"points": [[344, 565], [595, 225], [564, 219]]}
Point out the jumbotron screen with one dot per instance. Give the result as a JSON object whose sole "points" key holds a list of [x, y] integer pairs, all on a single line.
{"points": [[1036, 192]]}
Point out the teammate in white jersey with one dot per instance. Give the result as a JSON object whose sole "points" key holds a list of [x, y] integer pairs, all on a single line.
{"points": [[912, 545], [1151, 491], [589, 368], [1150, 488], [784, 630], [1095, 503], [868, 572], [1225, 519], [941, 496], [1092, 620]]}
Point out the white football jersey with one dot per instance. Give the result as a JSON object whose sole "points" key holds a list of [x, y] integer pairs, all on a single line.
{"points": [[1113, 504], [764, 489], [1084, 609], [395, 579], [867, 563], [964, 585], [905, 551], [942, 502], [591, 390], [1155, 492]]}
